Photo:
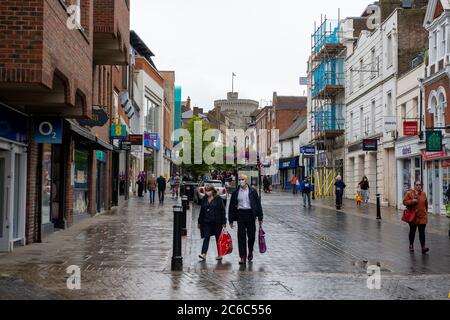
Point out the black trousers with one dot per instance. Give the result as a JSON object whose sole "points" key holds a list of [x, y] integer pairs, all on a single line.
{"points": [[246, 231], [140, 189], [412, 233], [339, 196], [210, 229], [161, 195]]}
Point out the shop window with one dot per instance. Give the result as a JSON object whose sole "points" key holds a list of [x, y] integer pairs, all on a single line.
{"points": [[81, 188], [406, 176], [446, 183], [46, 183]]}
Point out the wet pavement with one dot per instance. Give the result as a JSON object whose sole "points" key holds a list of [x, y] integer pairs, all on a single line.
{"points": [[316, 253]]}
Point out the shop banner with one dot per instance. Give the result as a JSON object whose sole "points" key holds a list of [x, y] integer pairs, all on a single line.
{"points": [[427, 156], [13, 125], [48, 131], [119, 131], [370, 145], [410, 128]]}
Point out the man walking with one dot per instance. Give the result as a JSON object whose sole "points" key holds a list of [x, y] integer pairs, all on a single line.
{"points": [[161, 188], [245, 207], [306, 189]]}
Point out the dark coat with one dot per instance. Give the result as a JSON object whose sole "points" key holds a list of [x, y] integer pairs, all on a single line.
{"points": [[218, 208], [161, 183], [340, 184], [255, 203]]}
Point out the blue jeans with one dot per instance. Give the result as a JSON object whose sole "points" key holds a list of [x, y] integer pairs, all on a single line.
{"points": [[152, 196], [307, 196]]}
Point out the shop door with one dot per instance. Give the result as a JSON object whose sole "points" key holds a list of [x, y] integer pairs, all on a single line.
{"points": [[4, 195], [436, 189]]}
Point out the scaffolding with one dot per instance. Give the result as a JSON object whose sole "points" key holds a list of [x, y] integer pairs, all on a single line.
{"points": [[327, 78]]}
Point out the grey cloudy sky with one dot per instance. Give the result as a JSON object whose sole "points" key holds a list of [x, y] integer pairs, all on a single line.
{"points": [[265, 42]]}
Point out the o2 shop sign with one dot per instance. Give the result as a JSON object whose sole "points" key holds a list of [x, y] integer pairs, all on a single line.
{"points": [[48, 131]]}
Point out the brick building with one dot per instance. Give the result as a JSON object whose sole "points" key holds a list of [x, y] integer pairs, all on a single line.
{"points": [[436, 87], [56, 76]]}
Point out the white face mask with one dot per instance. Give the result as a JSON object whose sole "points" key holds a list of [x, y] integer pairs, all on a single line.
{"points": [[209, 193], [242, 183]]}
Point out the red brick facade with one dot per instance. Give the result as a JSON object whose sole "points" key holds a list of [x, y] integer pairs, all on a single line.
{"points": [[433, 87]]}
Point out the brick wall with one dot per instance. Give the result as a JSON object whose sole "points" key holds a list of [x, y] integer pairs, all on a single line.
{"points": [[412, 37], [285, 119], [35, 43]]}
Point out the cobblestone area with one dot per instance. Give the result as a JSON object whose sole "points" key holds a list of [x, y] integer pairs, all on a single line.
{"points": [[316, 253]]}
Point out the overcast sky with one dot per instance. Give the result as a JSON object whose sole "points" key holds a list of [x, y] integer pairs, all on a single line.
{"points": [[265, 42]]}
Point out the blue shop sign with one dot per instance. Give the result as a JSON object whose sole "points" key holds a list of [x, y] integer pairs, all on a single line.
{"points": [[48, 130], [308, 150], [13, 125], [152, 141], [291, 164]]}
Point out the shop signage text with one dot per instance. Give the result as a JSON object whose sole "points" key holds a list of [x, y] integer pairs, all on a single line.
{"points": [[119, 131], [434, 141], [48, 131], [390, 124], [370, 145], [410, 128], [427, 156], [308, 150]]}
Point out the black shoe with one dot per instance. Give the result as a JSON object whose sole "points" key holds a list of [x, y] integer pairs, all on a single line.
{"points": [[250, 257]]}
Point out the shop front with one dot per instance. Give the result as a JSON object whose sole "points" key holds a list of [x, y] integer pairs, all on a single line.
{"points": [[409, 162], [13, 177], [437, 180], [288, 169], [101, 182]]}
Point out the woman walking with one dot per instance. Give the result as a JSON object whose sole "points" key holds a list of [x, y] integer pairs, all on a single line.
{"points": [[152, 188], [212, 219], [364, 187], [417, 201]]}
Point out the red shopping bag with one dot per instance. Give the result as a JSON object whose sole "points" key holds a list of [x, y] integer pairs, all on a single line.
{"points": [[409, 215], [225, 245]]}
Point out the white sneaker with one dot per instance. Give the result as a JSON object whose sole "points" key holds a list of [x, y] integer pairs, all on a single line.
{"points": [[219, 258]]}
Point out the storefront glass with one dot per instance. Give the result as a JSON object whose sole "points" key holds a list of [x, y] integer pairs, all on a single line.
{"points": [[406, 176], [46, 183], [81, 188], [445, 184]]}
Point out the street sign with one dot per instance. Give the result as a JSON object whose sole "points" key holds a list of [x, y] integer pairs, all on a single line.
{"points": [[119, 131], [48, 131], [410, 128], [125, 146], [308, 150], [434, 141], [370, 145], [390, 123], [136, 139], [99, 118]]}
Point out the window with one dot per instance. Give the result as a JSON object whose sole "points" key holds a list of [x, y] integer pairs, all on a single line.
{"points": [[151, 114], [116, 107], [361, 72], [361, 122], [415, 107], [435, 46], [351, 80], [403, 111], [443, 41], [351, 127], [373, 63], [389, 52], [372, 115], [389, 104]]}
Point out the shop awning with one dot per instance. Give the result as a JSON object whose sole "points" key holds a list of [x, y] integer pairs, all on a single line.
{"points": [[87, 136]]}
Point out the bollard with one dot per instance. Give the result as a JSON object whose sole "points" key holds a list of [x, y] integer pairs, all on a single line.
{"points": [[378, 207], [184, 202], [177, 258]]}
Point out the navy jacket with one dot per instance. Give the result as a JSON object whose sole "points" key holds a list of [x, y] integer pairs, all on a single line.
{"points": [[255, 204], [218, 208], [161, 183]]}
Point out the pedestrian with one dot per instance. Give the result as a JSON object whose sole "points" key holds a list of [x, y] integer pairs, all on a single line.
{"points": [[176, 186], [340, 187], [162, 185], [306, 189], [140, 182], [294, 184], [359, 198], [266, 184], [416, 200], [152, 184], [245, 207], [212, 219], [364, 187]]}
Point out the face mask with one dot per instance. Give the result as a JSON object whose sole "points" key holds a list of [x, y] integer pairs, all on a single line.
{"points": [[242, 183], [209, 193]]}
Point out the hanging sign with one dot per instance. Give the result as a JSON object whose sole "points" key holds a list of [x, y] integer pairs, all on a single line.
{"points": [[48, 131]]}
